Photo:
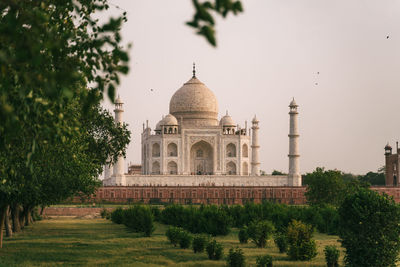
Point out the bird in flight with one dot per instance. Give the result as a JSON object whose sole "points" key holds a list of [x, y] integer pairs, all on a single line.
{"points": [[387, 37]]}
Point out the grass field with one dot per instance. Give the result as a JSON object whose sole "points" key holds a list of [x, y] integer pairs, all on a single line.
{"points": [[98, 242]]}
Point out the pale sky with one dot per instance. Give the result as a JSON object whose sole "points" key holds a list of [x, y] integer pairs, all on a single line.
{"points": [[267, 55]]}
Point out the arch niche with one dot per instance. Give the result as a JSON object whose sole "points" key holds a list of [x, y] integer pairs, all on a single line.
{"points": [[245, 150], [156, 150], [172, 167], [155, 168], [231, 150], [231, 168], [172, 150], [201, 158], [245, 168]]}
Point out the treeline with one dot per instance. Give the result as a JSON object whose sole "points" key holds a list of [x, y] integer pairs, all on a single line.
{"points": [[372, 178], [218, 220], [56, 64]]}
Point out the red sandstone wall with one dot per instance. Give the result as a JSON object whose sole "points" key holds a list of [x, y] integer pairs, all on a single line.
{"points": [[198, 195], [209, 195], [72, 211], [391, 191]]}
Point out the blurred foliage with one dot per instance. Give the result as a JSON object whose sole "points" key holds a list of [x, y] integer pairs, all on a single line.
{"points": [[203, 19]]}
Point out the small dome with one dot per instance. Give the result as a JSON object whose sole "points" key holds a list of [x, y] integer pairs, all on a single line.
{"points": [[158, 125], [170, 120], [227, 121], [293, 103]]}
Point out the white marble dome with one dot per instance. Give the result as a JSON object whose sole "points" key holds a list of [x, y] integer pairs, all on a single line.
{"points": [[158, 125], [170, 120], [227, 121], [195, 104]]}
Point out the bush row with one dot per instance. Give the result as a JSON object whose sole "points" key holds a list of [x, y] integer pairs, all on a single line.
{"points": [[217, 220], [324, 218], [212, 219], [178, 235], [297, 240]]}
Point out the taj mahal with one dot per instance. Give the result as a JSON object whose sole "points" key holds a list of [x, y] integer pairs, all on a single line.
{"points": [[191, 146]]}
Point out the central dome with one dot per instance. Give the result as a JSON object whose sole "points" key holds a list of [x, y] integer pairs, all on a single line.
{"points": [[195, 104]]}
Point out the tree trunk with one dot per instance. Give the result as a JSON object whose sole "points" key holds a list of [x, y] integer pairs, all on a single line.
{"points": [[3, 211], [21, 217], [15, 218], [30, 215], [8, 222], [27, 215], [42, 210]]}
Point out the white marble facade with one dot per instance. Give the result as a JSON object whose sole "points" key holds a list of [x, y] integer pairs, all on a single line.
{"points": [[191, 146]]}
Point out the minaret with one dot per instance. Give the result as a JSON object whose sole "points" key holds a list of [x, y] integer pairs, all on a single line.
{"points": [[255, 161], [388, 166], [118, 177], [294, 169]]}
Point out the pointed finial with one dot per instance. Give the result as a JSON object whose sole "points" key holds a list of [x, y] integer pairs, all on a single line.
{"points": [[194, 70], [226, 112]]}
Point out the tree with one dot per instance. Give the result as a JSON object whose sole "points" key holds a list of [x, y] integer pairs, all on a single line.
{"points": [[370, 229], [373, 178], [324, 187], [301, 245], [260, 232], [53, 55]]}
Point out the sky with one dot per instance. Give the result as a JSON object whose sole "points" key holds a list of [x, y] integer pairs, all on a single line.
{"points": [[339, 59]]}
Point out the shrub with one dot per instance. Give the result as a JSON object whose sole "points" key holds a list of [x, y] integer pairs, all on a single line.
{"points": [[185, 239], [199, 243], [117, 215], [301, 245], [173, 235], [260, 232], [235, 258], [264, 261], [332, 256], [281, 241], [370, 229], [174, 215], [243, 235], [214, 250], [105, 214], [156, 213], [214, 220], [139, 219]]}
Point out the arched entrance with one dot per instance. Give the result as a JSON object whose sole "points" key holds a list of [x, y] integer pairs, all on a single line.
{"points": [[201, 158]]}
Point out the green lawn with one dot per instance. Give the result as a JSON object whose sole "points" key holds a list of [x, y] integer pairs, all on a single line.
{"points": [[98, 242]]}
